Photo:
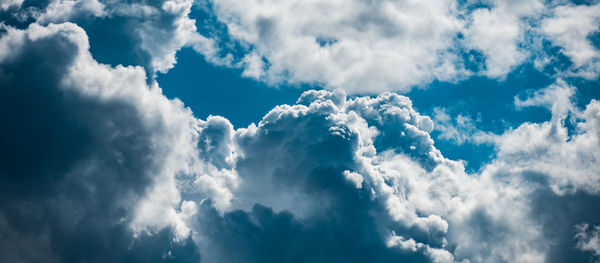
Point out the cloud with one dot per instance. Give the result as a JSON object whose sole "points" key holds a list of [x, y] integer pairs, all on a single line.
{"points": [[355, 45], [362, 47], [460, 129], [554, 165], [140, 32], [499, 31], [83, 145], [558, 98], [370, 47], [6, 4], [355, 179], [588, 238], [123, 173], [365, 169], [569, 160], [569, 27]]}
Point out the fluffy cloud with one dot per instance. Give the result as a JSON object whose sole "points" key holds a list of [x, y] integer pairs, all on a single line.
{"points": [[122, 173], [6, 4], [498, 32], [360, 170], [84, 145], [460, 129], [554, 164], [146, 33], [365, 169], [374, 46], [568, 159], [356, 45], [569, 27]]}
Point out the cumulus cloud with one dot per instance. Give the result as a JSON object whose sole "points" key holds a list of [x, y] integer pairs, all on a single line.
{"points": [[568, 159], [570, 27], [364, 171], [6, 4], [141, 32], [554, 164], [354, 45], [121, 173], [83, 145], [498, 32], [377, 46]]}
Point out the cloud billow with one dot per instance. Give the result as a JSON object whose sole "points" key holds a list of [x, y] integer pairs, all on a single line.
{"points": [[97, 165], [375, 46], [73, 166]]}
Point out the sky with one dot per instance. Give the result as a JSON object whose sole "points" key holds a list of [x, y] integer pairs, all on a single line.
{"points": [[299, 131]]}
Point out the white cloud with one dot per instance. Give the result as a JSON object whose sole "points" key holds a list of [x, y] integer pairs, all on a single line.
{"points": [[355, 45], [64, 10], [362, 47], [384, 145], [569, 27], [568, 161], [161, 27], [557, 98], [300, 157], [394, 46], [499, 31], [118, 143], [174, 127], [459, 129], [367, 162]]}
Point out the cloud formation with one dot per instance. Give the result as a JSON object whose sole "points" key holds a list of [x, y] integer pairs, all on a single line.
{"points": [[121, 173], [146, 33], [588, 238], [82, 144], [374, 46], [361, 47]]}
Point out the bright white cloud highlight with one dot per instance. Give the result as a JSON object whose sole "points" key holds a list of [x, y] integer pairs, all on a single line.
{"points": [[570, 27], [349, 44]]}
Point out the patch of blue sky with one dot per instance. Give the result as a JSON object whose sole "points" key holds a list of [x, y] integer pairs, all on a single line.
{"points": [[489, 102], [113, 47], [223, 91], [212, 90], [208, 25]]}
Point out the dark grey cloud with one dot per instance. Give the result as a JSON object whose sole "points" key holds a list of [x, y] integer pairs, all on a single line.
{"points": [[560, 215], [294, 201], [72, 167], [345, 234], [144, 33]]}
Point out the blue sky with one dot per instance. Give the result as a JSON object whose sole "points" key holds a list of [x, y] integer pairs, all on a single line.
{"points": [[299, 131], [243, 101], [223, 91]]}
